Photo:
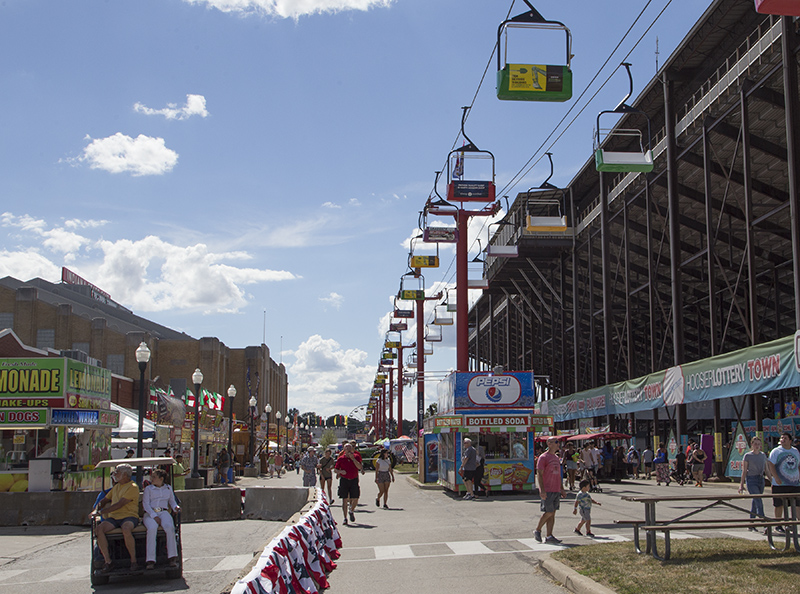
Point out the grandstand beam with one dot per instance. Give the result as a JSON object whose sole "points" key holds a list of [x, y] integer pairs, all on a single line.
{"points": [[788, 49], [747, 172], [575, 318], [710, 243], [673, 200]]}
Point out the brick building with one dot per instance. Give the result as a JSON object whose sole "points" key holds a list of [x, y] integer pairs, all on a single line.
{"points": [[81, 317]]}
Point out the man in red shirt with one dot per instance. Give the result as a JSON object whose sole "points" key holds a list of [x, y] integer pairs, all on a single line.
{"points": [[551, 490], [347, 468]]}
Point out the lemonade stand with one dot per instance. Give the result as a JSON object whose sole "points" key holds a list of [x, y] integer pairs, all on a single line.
{"points": [[58, 410]]}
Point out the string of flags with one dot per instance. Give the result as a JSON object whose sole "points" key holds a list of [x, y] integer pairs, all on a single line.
{"points": [[300, 558]]}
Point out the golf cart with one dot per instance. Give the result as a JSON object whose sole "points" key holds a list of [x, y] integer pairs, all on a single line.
{"points": [[120, 560]]}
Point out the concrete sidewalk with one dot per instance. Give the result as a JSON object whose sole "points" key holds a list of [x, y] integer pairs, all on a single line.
{"points": [[430, 540]]}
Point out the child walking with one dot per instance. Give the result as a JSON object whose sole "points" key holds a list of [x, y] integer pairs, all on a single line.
{"points": [[584, 501]]}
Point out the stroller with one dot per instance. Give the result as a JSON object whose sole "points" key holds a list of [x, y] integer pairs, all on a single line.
{"points": [[588, 474]]}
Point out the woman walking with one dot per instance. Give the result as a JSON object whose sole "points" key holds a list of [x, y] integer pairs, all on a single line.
{"points": [[384, 477], [326, 473], [662, 465], [570, 461], [698, 465], [754, 465]]}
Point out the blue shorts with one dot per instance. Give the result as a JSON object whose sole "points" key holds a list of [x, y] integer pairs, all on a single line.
{"points": [[119, 523]]}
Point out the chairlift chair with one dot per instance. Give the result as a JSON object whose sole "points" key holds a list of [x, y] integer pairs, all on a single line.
{"points": [[422, 261], [481, 282], [441, 317], [401, 313], [427, 349], [616, 161], [532, 82], [433, 334], [460, 188], [547, 215], [412, 288], [451, 300]]}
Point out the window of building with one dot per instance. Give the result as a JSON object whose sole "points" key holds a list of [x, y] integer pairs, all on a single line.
{"points": [[6, 321], [46, 339], [81, 346], [116, 364]]}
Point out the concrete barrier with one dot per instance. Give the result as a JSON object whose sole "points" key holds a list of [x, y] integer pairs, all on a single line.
{"points": [[46, 509], [72, 508], [275, 503], [210, 505]]}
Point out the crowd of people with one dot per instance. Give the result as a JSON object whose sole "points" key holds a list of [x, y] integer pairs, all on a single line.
{"points": [[557, 468]]}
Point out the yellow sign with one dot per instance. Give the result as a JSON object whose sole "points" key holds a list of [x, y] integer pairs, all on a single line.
{"points": [[424, 261], [391, 344], [527, 77], [411, 295]]}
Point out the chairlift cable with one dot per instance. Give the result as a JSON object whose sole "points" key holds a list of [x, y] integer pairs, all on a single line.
{"points": [[526, 169], [528, 166]]}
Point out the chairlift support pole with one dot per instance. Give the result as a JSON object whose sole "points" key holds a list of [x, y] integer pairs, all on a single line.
{"points": [[421, 359]]}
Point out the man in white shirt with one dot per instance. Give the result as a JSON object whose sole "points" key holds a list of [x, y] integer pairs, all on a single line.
{"points": [[647, 460]]}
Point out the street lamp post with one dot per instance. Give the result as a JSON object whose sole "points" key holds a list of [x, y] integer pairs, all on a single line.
{"points": [[231, 396], [142, 358], [268, 410], [288, 422], [278, 430], [197, 379], [252, 404]]}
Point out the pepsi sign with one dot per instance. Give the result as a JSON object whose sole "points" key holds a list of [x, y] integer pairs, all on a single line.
{"points": [[494, 390]]}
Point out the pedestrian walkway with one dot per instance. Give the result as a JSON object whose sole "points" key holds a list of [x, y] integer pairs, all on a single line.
{"points": [[431, 540]]}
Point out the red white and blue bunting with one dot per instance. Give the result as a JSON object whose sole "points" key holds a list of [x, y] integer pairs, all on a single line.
{"points": [[299, 559]]}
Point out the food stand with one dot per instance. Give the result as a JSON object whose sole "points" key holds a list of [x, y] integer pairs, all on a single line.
{"points": [[53, 408], [496, 412]]}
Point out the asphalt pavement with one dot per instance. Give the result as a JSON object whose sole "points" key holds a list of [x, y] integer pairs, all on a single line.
{"points": [[428, 540]]}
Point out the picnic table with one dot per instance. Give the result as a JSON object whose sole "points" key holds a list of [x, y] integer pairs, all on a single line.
{"points": [[651, 525]]}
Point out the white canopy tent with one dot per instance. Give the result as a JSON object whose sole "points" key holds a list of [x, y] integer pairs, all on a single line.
{"points": [[129, 425]]}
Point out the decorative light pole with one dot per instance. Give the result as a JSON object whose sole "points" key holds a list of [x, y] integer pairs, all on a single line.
{"points": [[288, 422], [252, 404], [278, 430], [142, 357], [268, 410], [197, 379], [231, 396]]}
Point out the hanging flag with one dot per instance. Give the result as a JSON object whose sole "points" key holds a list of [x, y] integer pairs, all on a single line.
{"points": [[458, 169]]}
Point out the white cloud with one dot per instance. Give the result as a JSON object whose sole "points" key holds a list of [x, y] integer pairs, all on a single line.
{"points": [[143, 155], [147, 275], [329, 379], [195, 105], [334, 300], [87, 224], [289, 8], [27, 264], [153, 275], [330, 205], [55, 239]]}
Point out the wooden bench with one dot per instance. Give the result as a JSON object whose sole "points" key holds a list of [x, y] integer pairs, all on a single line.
{"points": [[768, 526]]}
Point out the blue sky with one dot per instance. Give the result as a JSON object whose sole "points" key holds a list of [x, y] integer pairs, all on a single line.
{"points": [[204, 161]]}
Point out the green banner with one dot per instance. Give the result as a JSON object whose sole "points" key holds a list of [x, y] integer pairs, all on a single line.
{"points": [[10, 418], [758, 369]]}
